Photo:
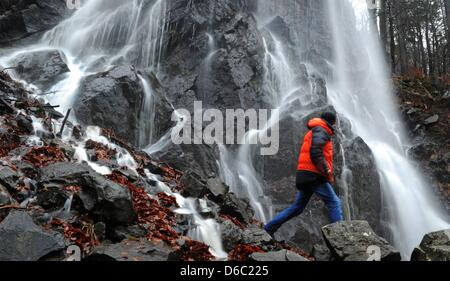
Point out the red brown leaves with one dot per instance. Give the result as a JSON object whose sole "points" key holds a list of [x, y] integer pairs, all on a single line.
{"points": [[242, 251], [167, 200], [72, 189], [83, 235], [43, 156], [234, 220], [194, 251], [102, 152], [158, 220]]}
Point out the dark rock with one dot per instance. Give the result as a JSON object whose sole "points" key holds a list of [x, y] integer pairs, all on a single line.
{"points": [[113, 100], [121, 232], [41, 68], [321, 253], [25, 123], [282, 255], [256, 236], [435, 246], [361, 175], [9, 178], [236, 207], [23, 240], [24, 18], [5, 197], [231, 235], [51, 198], [350, 241], [130, 250], [193, 183], [100, 230], [105, 198]]}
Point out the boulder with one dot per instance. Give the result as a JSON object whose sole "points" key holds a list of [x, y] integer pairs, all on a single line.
{"points": [[27, 17], [114, 99], [9, 178], [256, 236], [282, 255], [41, 68], [193, 183], [351, 241], [361, 175], [232, 235], [435, 246], [236, 207], [23, 240], [104, 198], [130, 250], [5, 197]]}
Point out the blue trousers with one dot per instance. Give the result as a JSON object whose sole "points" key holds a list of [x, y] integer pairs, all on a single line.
{"points": [[324, 191]]}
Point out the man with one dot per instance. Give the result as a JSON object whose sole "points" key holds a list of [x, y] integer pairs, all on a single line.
{"points": [[314, 173]]}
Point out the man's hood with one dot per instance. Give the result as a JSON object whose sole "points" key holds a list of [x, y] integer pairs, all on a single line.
{"points": [[319, 122]]}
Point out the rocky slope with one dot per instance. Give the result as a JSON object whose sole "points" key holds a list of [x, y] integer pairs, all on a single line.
{"points": [[50, 199], [425, 108]]}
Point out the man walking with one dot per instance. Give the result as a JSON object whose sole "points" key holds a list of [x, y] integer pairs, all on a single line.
{"points": [[314, 173]]}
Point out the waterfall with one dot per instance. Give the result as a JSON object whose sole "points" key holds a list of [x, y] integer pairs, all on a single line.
{"points": [[106, 32], [147, 115], [360, 89]]}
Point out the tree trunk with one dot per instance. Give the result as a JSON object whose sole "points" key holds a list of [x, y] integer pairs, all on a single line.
{"points": [[391, 37], [447, 15], [429, 52], [423, 62]]}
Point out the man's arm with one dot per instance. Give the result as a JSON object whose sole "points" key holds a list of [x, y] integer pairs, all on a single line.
{"points": [[319, 138]]}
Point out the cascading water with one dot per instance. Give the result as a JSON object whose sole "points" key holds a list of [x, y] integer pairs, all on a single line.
{"points": [[147, 115], [360, 89], [110, 31]]}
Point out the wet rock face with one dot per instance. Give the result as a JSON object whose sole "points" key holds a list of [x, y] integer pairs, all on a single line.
{"points": [[42, 68], [363, 179], [113, 99], [435, 246], [309, 28], [23, 240], [214, 54], [26, 17], [235, 49], [350, 241], [105, 198]]}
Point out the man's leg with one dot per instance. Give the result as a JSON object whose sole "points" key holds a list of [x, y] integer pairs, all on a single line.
{"points": [[301, 200], [326, 193]]}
